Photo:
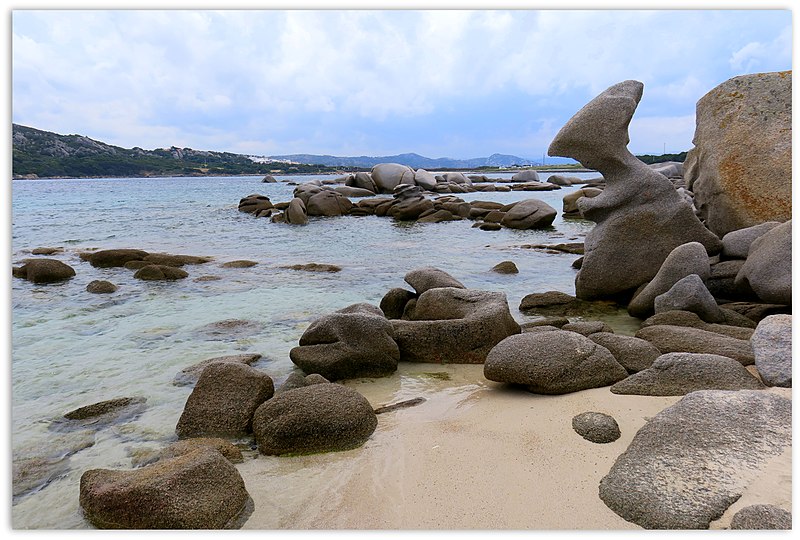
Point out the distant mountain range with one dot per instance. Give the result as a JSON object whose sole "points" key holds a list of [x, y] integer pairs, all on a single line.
{"points": [[43, 154], [416, 161]]}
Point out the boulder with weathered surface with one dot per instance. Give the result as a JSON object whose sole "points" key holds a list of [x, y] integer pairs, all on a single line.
{"points": [[424, 179], [690, 294], [223, 401], [687, 318], [570, 201], [688, 464], [761, 517], [356, 341], [389, 175], [669, 338], [740, 169], [328, 203], [634, 354], [449, 325], [427, 277], [552, 362], [44, 271], [529, 214], [677, 374], [596, 427], [526, 176], [196, 490], [736, 244], [324, 417], [188, 376], [362, 180], [684, 260], [772, 347], [295, 213], [159, 272], [768, 268], [252, 204], [394, 302], [99, 286], [640, 217]]}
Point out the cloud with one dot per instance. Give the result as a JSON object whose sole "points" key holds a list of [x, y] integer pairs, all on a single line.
{"points": [[455, 83]]}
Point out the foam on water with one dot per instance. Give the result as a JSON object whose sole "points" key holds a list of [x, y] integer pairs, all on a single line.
{"points": [[71, 348]]}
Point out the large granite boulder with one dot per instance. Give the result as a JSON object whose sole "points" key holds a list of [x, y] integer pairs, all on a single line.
{"points": [[328, 203], [684, 260], [740, 169], [529, 214], [223, 401], [772, 347], [394, 302], [197, 490], [253, 204], [668, 338], [454, 326], [427, 277], [526, 176], [387, 176], [768, 268], [425, 180], [44, 271], [552, 362], [736, 244], [362, 180], [356, 341], [632, 353], [640, 217], [677, 374], [295, 213], [323, 417], [690, 294], [688, 464]]}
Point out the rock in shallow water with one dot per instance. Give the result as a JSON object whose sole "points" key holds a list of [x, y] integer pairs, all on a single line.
{"points": [[324, 417], [101, 287], [197, 490], [688, 464], [44, 271]]}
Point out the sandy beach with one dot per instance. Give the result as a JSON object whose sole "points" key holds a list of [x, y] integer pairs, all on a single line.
{"points": [[474, 455]]}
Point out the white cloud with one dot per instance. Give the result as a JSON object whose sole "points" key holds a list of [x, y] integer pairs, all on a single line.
{"points": [[759, 55]]}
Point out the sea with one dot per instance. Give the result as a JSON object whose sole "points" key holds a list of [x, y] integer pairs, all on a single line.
{"points": [[71, 348]]}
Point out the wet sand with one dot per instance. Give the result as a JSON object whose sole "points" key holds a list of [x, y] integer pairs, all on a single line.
{"points": [[474, 455]]}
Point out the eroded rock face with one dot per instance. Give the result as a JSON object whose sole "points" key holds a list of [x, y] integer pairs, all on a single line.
{"points": [[740, 169], [324, 417], [552, 362], [354, 342], [197, 490], [640, 217], [688, 464], [451, 325]]}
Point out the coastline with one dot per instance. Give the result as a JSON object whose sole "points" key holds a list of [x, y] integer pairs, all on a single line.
{"points": [[474, 455]]}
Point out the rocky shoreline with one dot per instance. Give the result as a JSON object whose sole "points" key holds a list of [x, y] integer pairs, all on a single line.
{"points": [[683, 249]]}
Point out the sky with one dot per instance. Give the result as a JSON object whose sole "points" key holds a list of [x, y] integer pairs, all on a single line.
{"points": [[442, 83]]}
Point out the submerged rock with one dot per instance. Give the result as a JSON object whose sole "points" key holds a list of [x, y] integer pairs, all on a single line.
{"points": [[640, 217], [44, 271], [109, 258], [505, 267], [324, 417], [188, 376], [101, 287], [688, 464], [157, 272], [197, 490], [314, 267]]}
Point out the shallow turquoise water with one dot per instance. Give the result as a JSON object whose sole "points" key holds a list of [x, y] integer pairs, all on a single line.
{"points": [[71, 348]]}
